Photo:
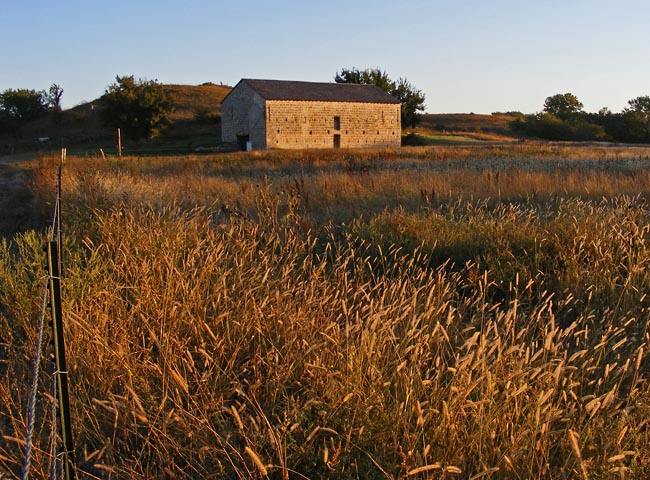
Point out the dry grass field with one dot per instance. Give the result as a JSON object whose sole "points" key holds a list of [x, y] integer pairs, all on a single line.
{"points": [[421, 313]]}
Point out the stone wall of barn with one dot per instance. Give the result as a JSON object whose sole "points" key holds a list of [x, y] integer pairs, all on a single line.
{"points": [[302, 124], [243, 117]]}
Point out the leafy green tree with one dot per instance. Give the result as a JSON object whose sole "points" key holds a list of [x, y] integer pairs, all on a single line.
{"points": [[370, 76], [550, 127], [22, 105], [141, 108], [563, 105], [636, 118], [411, 98], [412, 102]]}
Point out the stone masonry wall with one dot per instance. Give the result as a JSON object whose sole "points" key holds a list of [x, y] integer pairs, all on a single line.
{"points": [[300, 124], [242, 113]]}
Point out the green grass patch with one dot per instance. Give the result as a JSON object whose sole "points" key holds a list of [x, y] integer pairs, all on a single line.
{"points": [[419, 139]]}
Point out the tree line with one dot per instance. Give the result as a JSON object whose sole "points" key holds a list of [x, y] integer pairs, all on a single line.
{"points": [[563, 118], [22, 105], [141, 108]]}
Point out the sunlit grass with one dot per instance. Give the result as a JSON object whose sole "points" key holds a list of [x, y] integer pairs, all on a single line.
{"points": [[441, 313]]}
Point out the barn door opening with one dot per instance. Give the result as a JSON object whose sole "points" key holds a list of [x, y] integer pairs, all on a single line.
{"points": [[337, 141], [242, 140]]}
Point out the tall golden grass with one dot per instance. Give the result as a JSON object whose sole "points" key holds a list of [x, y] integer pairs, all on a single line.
{"points": [[428, 313]]}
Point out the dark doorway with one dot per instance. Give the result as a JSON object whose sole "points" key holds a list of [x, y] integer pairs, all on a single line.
{"points": [[337, 141], [241, 141]]}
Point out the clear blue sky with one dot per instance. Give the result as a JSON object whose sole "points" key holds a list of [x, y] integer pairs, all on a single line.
{"points": [[467, 56]]}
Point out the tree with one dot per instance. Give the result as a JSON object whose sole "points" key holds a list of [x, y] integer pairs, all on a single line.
{"points": [[637, 118], [550, 127], [141, 108], [412, 102], [411, 98], [563, 106], [640, 105], [22, 105], [53, 97], [370, 76]]}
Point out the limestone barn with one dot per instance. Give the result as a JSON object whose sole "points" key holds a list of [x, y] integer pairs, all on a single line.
{"points": [[261, 114]]}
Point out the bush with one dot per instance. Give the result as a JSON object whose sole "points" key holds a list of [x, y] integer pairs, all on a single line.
{"points": [[413, 140], [550, 127]]}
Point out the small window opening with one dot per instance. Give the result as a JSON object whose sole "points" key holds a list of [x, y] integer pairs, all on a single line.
{"points": [[337, 123]]}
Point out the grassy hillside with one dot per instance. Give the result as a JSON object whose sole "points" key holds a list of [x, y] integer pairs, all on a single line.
{"points": [[191, 103], [195, 124], [421, 313]]}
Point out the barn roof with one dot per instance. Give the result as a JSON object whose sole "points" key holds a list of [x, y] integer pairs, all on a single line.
{"points": [[319, 92]]}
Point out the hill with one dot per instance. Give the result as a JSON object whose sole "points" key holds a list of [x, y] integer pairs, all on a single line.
{"points": [[195, 126], [197, 102]]}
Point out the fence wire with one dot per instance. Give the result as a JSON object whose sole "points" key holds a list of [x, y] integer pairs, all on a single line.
{"points": [[31, 408]]}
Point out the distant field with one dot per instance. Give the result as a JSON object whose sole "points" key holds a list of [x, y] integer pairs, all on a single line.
{"points": [[467, 122], [476, 311]]}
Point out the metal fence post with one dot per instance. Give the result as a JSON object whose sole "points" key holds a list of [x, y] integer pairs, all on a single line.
{"points": [[59, 354]]}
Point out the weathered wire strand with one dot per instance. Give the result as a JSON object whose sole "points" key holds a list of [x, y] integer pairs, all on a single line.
{"points": [[31, 409]]}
